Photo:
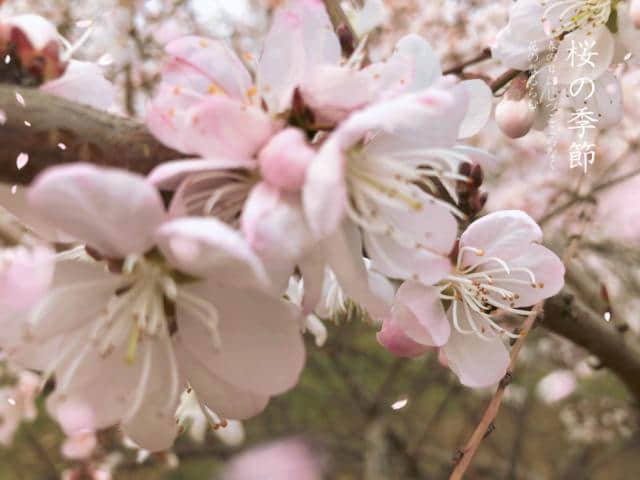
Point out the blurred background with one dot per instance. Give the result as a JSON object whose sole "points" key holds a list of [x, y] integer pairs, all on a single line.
{"points": [[358, 412]]}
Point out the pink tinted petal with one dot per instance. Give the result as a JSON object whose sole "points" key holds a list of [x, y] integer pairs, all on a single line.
{"points": [[83, 82], [500, 234], [325, 191], [284, 160], [556, 386], [417, 309], [207, 247], [477, 362], [167, 116], [261, 347], [152, 426], [427, 119], [168, 176], [547, 269], [523, 35], [332, 92], [312, 270], [275, 228], [221, 127], [206, 66], [25, 276], [400, 262], [414, 64], [112, 211], [393, 338], [220, 396], [479, 109], [300, 38], [343, 253]]}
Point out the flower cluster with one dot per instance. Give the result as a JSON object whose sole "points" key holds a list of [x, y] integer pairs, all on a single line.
{"points": [[307, 183]]}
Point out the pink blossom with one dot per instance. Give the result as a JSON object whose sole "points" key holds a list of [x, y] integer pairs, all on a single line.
{"points": [[115, 322], [290, 458], [500, 267]]}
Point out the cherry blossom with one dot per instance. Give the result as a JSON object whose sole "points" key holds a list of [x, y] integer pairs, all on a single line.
{"points": [[500, 268], [117, 320]]}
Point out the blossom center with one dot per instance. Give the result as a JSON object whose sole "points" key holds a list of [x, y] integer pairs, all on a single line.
{"points": [[570, 15], [478, 291]]}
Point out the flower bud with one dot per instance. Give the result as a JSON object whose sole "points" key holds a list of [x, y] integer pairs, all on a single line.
{"points": [[284, 160], [514, 117], [36, 45], [634, 12], [513, 114]]}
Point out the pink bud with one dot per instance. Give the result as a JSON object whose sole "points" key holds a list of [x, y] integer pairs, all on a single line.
{"points": [[394, 339], [284, 160], [634, 12], [515, 117]]}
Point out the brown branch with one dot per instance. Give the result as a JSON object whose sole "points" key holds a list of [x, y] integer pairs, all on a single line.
{"points": [[342, 26], [569, 316], [84, 134], [503, 79], [458, 69]]}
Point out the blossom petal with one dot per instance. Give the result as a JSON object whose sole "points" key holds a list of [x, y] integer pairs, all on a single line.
{"points": [[417, 309], [501, 234], [325, 191], [206, 66], [477, 362], [274, 225], [393, 338], [222, 127], [83, 82], [479, 109], [261, 347], [110, 210], [152, 426], [25, 277], [208, 247], [220, 396], [300, 38]]}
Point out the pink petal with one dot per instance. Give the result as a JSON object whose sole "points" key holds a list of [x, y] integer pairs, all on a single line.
{"points": [[300, 38], [500, 234], [219, 395], [110, 210], [207, 247], [477, 362], [393, 338], [479, 109], [25, 277], [222, 127], [418, 311], [152, 426], [261, 345], [343, 254], [332, 92], [274, 225], [205, 66], [83, 82], [325, 191]]}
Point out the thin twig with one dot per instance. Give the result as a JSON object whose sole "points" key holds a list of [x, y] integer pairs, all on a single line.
{"points": [[457, 69], [490, 414]]}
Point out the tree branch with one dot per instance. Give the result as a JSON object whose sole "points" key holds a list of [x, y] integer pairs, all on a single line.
{"points": [[567, 315], [62, 131]]}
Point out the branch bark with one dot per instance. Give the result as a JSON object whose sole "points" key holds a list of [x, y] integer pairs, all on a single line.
{"points": [[569, 316], [62, 131]]}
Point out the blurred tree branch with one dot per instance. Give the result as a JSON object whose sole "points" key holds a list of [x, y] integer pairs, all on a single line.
{"points": [[63, 131]]}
